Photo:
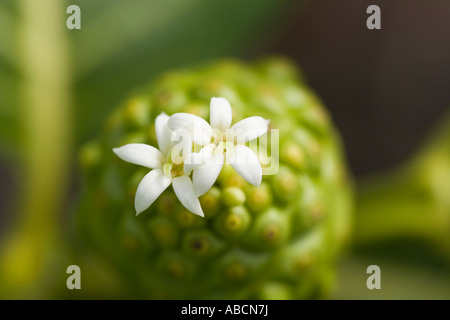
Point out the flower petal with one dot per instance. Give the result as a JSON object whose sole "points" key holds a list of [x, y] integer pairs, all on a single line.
{"points": [[206, 174], [246, 163], [163, 133], [220, 113], [182, 146], [250, 128], [140, 154], [200, 129], [196, 159], [192, 161], [184, 189], [149, 189]]}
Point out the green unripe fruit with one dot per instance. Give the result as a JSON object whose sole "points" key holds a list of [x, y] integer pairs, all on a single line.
{"points": [[275, 241]]}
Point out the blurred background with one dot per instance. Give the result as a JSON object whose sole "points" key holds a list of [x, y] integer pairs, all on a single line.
{"points": [[387, 91]]}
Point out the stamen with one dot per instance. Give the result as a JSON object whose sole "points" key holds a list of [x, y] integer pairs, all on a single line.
{"points": [[177, 170], [217, 137], [167, 168]]}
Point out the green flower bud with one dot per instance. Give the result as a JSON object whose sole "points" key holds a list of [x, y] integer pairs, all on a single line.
{"points": [[233, 196], [131, 243], [175, 267], [186, 219], [275, 291], [228, 177], [134, 239], [259, 198], [312, 147], [210, 201], [163, 231], [310, 208], [201, 244], [270, 230], [299, 256], [285, 184], [315, 117], [292, 154], [235, 271], [167, 204], [233, 223]]}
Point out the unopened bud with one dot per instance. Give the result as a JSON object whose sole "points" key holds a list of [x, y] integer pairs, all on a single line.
{"points": [[293, 155], [234, 222], [210, 201], [233, 196], [259, 198]]}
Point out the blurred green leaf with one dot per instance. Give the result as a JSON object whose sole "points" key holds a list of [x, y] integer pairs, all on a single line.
{"points": [[7, 52], [412, 201], [130, 42], [9, 129], [123, 44], [121, 26]]}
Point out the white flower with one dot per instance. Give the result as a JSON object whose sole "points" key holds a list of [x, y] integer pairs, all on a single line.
{"points": [[221, 143], [167, 164]]}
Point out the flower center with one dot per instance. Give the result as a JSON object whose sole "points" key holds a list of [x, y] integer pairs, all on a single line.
{"points": [[224, 147], [173, 170], [174, 164], [177, 170], [217, 137]]}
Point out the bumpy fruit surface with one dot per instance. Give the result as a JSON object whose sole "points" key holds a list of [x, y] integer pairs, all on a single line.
{"points": [[276, 241]]}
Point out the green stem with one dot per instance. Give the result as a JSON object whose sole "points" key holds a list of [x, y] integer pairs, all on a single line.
{"points": [[411, 202], [392, 207], [46, 103], [6, 38]]}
